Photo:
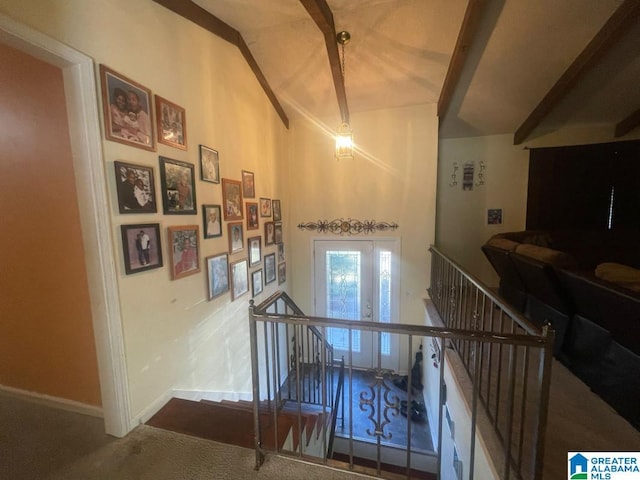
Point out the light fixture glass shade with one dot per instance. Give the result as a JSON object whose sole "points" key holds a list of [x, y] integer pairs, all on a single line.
{"points": [[344, 142]]}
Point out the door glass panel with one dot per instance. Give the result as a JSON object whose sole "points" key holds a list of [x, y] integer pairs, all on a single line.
{"points": [[384, 289], [343, 295]]}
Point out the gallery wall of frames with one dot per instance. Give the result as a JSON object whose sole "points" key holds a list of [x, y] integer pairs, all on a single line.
{"points": [[134, 116]]}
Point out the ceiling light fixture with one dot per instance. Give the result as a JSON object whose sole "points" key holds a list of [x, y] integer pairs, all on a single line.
{"points": [[344, 134]]}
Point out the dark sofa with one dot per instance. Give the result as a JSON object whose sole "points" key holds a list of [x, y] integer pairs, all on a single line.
{"points": [[590, 294]]}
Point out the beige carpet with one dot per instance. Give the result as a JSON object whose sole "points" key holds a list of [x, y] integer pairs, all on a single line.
{"points": [[41, 443]]}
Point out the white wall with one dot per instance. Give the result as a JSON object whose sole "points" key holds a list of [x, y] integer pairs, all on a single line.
{"points": [[461, 227], [392, 179], [462, 214], [174, 337], [458, 388]]}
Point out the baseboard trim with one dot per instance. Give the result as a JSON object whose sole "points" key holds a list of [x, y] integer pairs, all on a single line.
{"points": [[54, 402], [197, 395], [153, 407]]}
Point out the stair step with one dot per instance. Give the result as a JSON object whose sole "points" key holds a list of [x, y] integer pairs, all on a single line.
{"points": [[220, 423], [240, 404]]}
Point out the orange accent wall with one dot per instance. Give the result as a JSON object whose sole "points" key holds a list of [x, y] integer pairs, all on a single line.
{"points": [[46, 335]]}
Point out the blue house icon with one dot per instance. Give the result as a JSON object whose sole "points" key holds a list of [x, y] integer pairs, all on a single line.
{"points": [[578, 463]]}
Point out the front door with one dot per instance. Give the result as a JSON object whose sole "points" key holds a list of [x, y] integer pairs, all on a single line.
{"points": [[357, 280]]}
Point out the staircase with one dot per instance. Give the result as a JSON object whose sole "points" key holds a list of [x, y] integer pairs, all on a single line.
{"points": [[232, 423]]}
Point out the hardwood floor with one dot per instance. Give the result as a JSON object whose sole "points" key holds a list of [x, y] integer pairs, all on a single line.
{"points": [[364, 390]]}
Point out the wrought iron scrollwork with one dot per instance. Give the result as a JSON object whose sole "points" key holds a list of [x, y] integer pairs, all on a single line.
{"points": [[379, 393], [349, 226]]}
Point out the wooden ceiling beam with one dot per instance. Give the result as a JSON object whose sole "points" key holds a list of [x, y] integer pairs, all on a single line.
{"points": [[617, 25], [466, 35], [201, 17], [321, 14], [626, 125]]}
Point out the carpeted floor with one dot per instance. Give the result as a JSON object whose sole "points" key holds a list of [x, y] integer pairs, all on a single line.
{"points": [[42, 443]]}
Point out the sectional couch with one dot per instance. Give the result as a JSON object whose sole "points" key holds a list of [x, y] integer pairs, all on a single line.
{"points": [[586, 284]]}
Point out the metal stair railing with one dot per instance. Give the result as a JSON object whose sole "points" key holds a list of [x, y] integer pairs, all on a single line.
{"points": [[496, 345]]}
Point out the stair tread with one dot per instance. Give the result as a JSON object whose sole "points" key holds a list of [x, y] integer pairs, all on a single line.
{"points": [[219, 423]]}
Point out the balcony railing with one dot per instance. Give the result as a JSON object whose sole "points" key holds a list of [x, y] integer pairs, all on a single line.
{"points": [[504, 359]]}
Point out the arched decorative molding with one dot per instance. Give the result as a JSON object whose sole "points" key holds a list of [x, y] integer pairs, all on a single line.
{"points": [[84, 130]]}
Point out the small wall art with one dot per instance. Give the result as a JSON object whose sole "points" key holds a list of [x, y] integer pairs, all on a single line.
{"points": [[252, 215], [183, 251], [248, 184], [232, 199], [239, 278], [277, 214], [136, 188], [265, 207], [171, 123], [255, 251], [494, 216], [282, 273], [142, 249], [212, 221], [178, 187], [236, 237], [269, 233], [277, 232], [269, 268], [218, 275], [209, 165], [256, 282], [127, 110]]}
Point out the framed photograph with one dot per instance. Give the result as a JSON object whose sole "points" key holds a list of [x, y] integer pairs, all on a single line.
{"points": [[269, 233], [236, 237], [209, 165], [248, 185], [281, 252], [212, 221], [256, 282], [494, 216], [255, 251], [277, 214], [141, 247], [136, 188], [239, 278], [252, 215], [178, 187], [269, 268], [282, 273], [218, 275], [232, 199], [265, 207], [127, 110], [171, 123], [277, 236], [184, 251]]}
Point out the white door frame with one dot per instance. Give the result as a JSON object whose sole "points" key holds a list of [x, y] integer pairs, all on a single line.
{"points": [[88, 164], [394, 362]]}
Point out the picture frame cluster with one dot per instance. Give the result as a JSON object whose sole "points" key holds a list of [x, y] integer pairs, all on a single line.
{"points": [[135, 117]]}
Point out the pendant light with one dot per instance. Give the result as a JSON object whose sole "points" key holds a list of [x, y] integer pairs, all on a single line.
{"points": [[344, 134]]}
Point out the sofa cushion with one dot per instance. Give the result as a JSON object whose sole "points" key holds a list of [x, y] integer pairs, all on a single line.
{"points": [[532, 237], [623, 275], [547, 255], [503, 243]]}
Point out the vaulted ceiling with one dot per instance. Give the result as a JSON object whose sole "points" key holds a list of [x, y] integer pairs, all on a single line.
{"points": [[493, 66]]}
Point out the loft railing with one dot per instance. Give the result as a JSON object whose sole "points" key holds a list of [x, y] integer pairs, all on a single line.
{"points": [[516, 404], [506, 361]]}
